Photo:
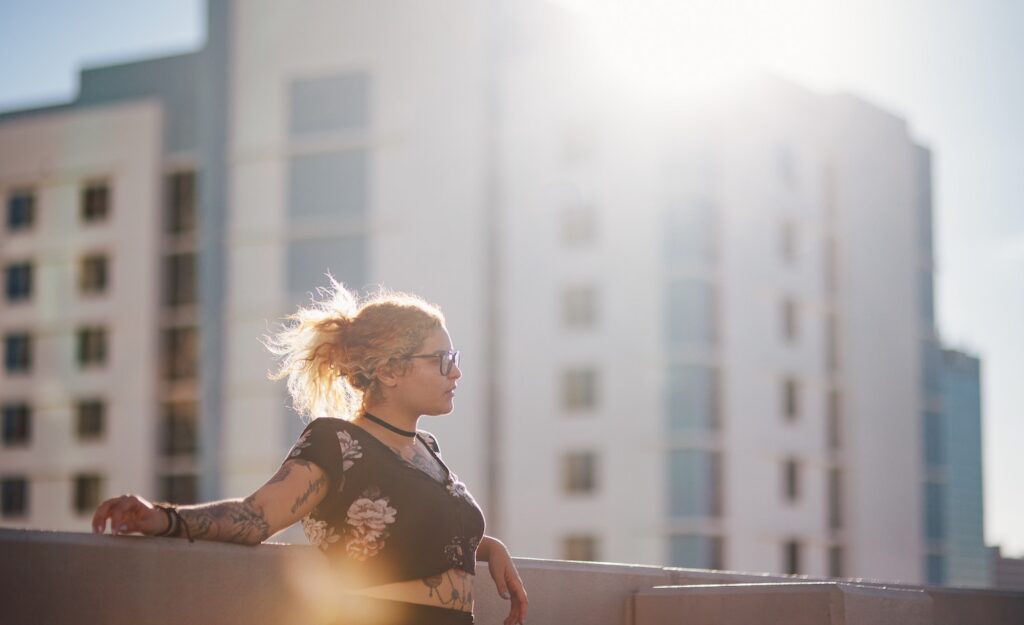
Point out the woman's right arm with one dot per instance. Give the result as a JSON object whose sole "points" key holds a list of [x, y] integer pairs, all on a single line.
{"points": [[291, 494]]}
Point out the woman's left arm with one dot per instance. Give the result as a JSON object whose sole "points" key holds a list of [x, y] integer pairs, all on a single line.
{"points": [[506, 577]]}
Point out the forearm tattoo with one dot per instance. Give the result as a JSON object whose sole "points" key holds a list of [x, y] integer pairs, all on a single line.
{"points": [[456, 594], [237, 521]]}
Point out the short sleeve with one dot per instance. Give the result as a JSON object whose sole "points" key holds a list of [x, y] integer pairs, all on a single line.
{"points": [[431, 441], [329, 447]]}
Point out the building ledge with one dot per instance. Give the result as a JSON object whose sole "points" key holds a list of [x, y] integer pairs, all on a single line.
{"points": [[60, 577]]}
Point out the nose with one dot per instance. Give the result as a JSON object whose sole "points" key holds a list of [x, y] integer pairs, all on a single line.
{"points": [[455, 373]]}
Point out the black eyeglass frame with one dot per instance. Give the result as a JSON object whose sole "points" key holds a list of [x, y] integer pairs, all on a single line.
{"points": [[446, 358]]}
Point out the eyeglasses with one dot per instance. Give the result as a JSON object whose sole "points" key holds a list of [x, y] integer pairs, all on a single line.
{"points": [[447, 359]]}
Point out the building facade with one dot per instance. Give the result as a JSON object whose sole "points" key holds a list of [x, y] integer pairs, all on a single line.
{"points": [[692, 327]]}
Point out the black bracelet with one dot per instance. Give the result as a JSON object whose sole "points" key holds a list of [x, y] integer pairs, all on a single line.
{"points": [[167, 510], [177, 522], [183, 525]]}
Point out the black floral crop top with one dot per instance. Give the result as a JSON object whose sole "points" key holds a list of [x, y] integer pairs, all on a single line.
{"points": [[384, 520]]}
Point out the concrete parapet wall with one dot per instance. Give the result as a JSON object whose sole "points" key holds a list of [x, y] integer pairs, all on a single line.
{"points": [[55, 577], [801, 603]]}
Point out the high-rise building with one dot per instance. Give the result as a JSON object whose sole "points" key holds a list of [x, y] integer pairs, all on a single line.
{"points": [[692, 326]]}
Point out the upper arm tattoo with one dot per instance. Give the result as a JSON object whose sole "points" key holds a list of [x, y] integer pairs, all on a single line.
{"points": [[313, 487]]}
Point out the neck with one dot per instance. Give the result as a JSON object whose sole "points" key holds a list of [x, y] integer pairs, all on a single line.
{"points": [[395, 418]]}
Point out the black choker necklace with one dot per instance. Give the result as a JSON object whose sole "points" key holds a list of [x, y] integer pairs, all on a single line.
{"points": [[384, 424]]}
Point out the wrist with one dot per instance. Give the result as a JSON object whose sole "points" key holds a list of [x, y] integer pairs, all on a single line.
{"points": [[490, 547], [170, 528]]}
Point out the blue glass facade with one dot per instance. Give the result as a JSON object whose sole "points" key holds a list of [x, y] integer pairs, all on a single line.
{"points": [[967, 559]]}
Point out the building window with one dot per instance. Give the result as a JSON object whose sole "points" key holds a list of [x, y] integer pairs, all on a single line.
{"points": [[92, 346], [579, 224], [579, 473], [695, 483], [791, 480], [329, 184], [179, 434], [935, 569], [88, 489], [790, 399], [181, 202], [934, 507], [697, 551], [180, 488], [309, 259], [689, 232], [786, 164], [579, 389], [90, 419], [789, 319], [17, 424], [831, 265], [934, 456], [832, 341], [92, 274], [95, 202], [333, 103], [14, 496], [835, 499], [18, 281], [579, 307], [21, 210], [834, 420], [18, 352], [180, 280], [788, 242], [692, 398], [690, 313], [836, 566], [181, 353], [791, 557], [580, 547]]}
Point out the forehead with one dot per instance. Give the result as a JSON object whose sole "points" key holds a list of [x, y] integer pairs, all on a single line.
{"points": [[437, 341]]}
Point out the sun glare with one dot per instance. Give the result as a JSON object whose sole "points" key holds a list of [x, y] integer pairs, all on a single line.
{"points": [[696, 47]]}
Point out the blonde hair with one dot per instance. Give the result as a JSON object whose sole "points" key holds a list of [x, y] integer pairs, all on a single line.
{"points": [[332, 350]]}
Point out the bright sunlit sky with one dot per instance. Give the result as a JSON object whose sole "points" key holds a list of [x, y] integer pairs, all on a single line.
{"points": [[954, 70]]}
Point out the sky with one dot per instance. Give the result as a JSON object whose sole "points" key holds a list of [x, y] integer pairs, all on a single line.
{"points": [[953, 69]]}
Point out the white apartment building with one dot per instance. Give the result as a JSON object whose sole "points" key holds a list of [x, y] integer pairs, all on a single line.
{"points": [[691, 328], [80, 309]]}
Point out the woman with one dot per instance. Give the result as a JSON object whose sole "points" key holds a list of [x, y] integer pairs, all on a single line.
{"points": [[400, 529]]}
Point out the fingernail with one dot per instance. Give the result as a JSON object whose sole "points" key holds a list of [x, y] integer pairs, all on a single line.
{"points": [[504, 595], [122, 528]]}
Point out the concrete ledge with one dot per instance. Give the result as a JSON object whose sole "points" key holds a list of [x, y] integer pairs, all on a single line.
{"points": [[55, 577], [801, 603]]}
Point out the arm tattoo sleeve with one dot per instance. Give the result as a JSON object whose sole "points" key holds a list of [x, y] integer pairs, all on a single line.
{"points": [[314, 486], [235, 521]]}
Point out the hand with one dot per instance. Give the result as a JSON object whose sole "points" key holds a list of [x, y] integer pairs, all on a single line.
{"points": [[127, 514], [509, 584]]}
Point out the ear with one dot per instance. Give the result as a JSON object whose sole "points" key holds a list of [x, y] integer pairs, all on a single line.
{"points": [[389, 374]]}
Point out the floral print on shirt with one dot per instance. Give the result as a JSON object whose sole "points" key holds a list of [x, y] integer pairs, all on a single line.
{"points": [[368, 518], [300, 444], [318, 532], [350, 451]]}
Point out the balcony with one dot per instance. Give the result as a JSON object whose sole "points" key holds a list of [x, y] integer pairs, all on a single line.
{"points": [[57, 577]]}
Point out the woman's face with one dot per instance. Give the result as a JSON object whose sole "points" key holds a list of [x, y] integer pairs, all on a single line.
{"points": [[424, 389]]}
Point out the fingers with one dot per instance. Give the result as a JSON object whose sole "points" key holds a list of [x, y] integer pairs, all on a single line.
{"points": [[123, 512], [519, 598]]}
